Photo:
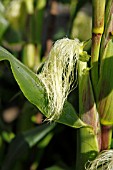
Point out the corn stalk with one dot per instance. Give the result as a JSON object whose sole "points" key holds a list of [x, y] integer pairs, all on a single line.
{"points": [[105, 83], [88, 137], [102, 68], [95, 91], [97, 31]]}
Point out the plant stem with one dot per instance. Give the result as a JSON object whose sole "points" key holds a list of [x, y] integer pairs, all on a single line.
{"points": [[106, 135], [105, 84], [87, 147], [97, 31], [88, 138]]}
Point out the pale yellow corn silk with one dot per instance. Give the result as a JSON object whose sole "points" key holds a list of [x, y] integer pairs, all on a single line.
{"points": [[104, 161], [59, 74]]}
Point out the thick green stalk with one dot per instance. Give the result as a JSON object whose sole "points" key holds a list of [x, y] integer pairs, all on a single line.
{"points": [[87, 147], [88, 138], [97, 31], [105, 95], [105, 84], [98, 16]]}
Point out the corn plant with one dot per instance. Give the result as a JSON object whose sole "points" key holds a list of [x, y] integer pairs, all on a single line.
{"points": [[68, 66]]}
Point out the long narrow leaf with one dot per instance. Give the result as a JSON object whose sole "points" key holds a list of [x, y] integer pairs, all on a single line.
{"points": [[35, 92], [22, 142]]}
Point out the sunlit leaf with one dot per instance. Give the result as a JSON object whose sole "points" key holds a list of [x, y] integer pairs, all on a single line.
{"points": [[105, 86], [35, 92]]}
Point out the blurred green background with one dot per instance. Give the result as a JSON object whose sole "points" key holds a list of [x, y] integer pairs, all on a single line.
{"points": [[28, 28]]}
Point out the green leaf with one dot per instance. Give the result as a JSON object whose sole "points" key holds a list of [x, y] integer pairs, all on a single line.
{"points": [[35, 135], [22, 142], [105, 86], [35, 92], [27, 80], [70, 118]]}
